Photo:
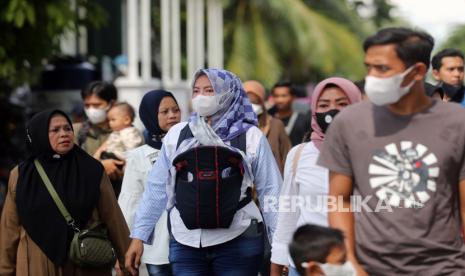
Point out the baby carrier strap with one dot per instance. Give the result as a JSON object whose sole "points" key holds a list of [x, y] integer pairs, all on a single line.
{"points": [[239, 142]]}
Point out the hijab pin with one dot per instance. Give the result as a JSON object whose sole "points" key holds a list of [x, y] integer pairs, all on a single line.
{"points": [[56, 156]]}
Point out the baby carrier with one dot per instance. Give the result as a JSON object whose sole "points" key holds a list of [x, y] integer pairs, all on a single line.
{"points": [[208, 183]]}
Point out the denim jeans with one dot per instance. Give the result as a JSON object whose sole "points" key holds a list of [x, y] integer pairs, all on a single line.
{"points": [[159, 270], [293, 271], [241, 256]]}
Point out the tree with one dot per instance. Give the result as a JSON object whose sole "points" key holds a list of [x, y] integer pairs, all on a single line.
{"points": [[269, 40], [379, 10], [30, 32], [345, 13], [456, 39]]}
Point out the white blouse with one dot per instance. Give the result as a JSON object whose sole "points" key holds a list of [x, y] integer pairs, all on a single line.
{"points": [[311, 187], [138, 164]]}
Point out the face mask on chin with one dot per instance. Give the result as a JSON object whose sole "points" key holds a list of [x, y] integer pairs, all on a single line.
{"points": [[383, 91], [453, 92], [205, 105]]}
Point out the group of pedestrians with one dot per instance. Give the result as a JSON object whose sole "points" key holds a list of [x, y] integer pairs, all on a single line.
{"points": [[205, 196]]}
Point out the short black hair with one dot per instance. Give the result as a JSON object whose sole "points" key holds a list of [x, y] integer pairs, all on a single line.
{"points": [[436, 61], [284, 83], [411, 46], [313, 243], [101, 89], [361, 85]]}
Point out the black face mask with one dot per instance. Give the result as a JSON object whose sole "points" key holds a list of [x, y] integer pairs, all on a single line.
{"points": [[454, 92], [325, 118]]}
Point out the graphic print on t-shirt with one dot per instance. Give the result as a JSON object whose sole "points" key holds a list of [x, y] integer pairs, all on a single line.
{"points": [[404, 176]]}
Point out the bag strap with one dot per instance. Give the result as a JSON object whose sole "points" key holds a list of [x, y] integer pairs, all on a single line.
{"points": [[69, 219], [295, 161]]}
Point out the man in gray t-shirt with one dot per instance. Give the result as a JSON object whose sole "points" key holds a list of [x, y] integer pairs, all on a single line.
{"points": [[402, 154]]}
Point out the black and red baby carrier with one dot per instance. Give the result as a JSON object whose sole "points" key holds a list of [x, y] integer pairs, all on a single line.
{"points": [[208, 183]]}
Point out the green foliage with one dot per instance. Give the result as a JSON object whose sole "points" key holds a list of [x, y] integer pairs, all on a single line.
{"points": [[273, 39], [380, 11], [456, 39], [345, 13], [30, 32]]}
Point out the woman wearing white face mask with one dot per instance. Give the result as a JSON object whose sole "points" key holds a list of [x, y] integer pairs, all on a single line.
{"points": [[98, 97], [273, 128], [203, 177]]}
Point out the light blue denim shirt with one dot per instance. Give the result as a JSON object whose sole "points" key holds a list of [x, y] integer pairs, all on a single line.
{"points": [[159, 194]]}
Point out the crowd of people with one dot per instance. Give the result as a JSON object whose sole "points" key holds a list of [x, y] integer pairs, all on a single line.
{"points": [[370, 182]]}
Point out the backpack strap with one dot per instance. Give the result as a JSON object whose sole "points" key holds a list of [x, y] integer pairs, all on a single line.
{"points": [[239, 142]]}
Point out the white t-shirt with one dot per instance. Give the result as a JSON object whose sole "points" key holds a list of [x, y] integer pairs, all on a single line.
{"points": [[310, 186], [138, 164]]}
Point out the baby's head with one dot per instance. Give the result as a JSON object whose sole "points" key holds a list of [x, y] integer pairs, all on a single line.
{"points": [[120, 116], [317, 250]]}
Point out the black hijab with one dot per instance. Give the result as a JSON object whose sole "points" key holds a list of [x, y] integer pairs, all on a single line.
{"points": [[148, 113], [76, 177]]}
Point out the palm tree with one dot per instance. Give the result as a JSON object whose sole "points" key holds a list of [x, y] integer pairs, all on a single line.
{"points": [[272, 39]]}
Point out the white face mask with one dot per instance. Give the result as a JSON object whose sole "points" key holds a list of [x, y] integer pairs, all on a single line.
{"points": [[96, 115], [258, 109], [205, 105], [382, 91], [347, 269]]}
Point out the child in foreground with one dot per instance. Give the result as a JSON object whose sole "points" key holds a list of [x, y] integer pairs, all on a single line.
{"points": [[317, 250]]}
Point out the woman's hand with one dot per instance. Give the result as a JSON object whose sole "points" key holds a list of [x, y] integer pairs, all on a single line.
{"points": [[111, 168], [133, 255]]}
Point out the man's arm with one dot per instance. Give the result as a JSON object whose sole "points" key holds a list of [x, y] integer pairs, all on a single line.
{"points": [[462, 204], [340, 188]]}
